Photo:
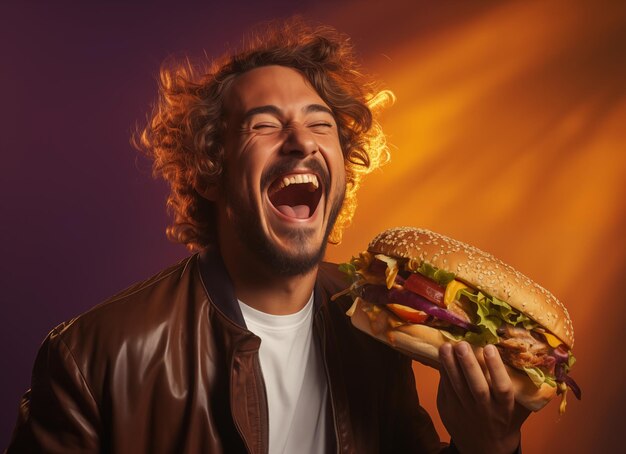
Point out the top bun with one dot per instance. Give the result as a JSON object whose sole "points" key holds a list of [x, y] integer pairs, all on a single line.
{"points": [[480, 270]]}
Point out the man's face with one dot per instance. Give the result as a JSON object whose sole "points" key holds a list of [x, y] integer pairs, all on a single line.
{"points": [[284, 178]]}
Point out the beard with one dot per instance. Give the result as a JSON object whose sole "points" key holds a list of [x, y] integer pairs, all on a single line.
{"points": [[299, 259]]}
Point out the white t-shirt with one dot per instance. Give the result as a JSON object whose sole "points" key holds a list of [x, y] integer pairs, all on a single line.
{"points": [[295, 381]]}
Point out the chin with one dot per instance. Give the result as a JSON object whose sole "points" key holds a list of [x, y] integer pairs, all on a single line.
{"points": [[286, 265], [295, 260]]}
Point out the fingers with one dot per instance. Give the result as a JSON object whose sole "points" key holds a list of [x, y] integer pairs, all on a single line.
{"points": [[474, 375], [476, 401], [467, 377], [501, 385], [451, 374], [464, 372], [446, 394]]}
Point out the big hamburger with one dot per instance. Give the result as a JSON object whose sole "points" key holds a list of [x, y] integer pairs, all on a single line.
{"points": [[415, 290]]}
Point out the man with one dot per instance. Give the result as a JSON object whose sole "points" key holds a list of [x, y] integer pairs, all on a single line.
{"points": [[238, 348]]}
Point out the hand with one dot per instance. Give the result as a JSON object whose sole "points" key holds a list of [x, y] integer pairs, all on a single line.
{"points": [[481, 415]]}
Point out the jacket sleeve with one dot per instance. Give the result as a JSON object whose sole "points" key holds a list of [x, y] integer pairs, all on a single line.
{"points": [[410, 428], [58, 414]]}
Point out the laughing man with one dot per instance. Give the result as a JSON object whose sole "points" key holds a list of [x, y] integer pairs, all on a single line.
{"points": [[238, 348]]}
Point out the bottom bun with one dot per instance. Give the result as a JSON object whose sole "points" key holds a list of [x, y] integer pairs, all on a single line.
{"points": [[421, 343]]}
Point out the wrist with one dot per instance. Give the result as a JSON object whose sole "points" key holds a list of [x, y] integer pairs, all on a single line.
{"points": [[510, 445]]}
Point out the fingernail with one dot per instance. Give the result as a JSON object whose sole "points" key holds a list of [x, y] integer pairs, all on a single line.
{"points": [[462, 349], [489, 351]]}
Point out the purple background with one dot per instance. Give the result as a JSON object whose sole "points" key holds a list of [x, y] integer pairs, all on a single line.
{"points": [[82, 217]]}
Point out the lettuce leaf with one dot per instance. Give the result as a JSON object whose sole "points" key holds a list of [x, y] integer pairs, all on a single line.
{"points": [[570, 362], [489, 319], [441, 277], [539, 377], [491, 313], [350, 270]]}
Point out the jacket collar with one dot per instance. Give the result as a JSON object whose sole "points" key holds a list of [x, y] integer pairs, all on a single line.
{"points": [[220, 288], [218, 284]]}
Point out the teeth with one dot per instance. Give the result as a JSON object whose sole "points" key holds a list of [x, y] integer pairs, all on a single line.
{"points": [[301, 178]]}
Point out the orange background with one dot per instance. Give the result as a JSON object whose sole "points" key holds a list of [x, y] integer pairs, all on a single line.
{"points": [[508, 133]]}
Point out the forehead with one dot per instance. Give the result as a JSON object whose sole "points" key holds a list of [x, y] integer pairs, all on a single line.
{"points": [[271, 85]]}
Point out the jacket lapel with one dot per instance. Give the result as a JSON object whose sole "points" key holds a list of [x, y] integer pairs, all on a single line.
{"points": [[247, 397]]}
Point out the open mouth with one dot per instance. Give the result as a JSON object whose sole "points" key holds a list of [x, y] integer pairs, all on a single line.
{"points": [[296, 195]]}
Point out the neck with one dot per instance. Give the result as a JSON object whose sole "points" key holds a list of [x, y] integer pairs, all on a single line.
{"points": [[265, 290]]}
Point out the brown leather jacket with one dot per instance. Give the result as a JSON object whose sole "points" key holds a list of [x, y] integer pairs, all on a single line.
{"points": [[167, 366]]}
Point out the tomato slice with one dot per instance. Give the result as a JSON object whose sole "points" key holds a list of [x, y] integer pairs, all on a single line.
{"points": [[408, 313], [423, 286]]}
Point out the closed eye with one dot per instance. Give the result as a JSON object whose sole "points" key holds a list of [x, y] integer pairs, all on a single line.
{"points": [[322, 125], [266, 128], [322, 128]]}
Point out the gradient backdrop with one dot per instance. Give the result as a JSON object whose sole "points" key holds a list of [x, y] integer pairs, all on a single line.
{"points": [[508, 133]]}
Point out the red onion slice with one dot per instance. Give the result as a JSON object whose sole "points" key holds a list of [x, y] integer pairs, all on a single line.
{"points": [[378, 294]]}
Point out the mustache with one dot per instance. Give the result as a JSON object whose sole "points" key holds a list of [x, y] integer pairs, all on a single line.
{"points": [[288, 165]]}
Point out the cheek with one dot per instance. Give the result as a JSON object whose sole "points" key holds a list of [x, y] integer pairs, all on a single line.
{"points": [[337, 162], [255, 155], [246, 167]]}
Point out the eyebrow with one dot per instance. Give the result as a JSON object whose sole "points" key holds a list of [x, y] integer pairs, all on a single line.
{"points": [[317, 108], [274, 110]]}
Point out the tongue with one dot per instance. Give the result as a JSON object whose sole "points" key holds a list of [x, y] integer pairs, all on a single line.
{"points": [[296, 211]]}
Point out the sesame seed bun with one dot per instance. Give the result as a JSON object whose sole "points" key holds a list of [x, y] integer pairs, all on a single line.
{"points": [[479, 270]]}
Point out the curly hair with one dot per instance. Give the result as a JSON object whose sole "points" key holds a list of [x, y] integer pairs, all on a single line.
{"points": [[184, 132]]}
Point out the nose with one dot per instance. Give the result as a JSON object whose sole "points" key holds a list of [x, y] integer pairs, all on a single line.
{"points": [[300, 141]]}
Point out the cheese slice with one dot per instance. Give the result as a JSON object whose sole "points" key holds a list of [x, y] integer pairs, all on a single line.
{"points": [[451, 290], [552, 340]]}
